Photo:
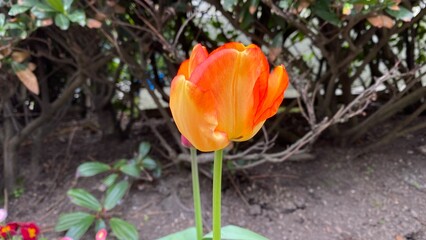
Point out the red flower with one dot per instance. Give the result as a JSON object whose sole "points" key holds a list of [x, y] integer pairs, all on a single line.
{"points": [[29, 231], [8, 230]]}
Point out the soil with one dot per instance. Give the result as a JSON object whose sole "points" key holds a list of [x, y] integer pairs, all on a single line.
{"points": [[339, 195]]}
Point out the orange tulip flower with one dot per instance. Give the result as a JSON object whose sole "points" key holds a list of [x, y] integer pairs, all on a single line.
{"points": [[226, 95]]}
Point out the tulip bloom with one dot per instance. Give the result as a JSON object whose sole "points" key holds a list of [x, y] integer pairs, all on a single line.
{"points": [[226, 95]]}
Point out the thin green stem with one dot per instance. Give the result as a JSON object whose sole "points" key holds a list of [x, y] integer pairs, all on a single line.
{"points": [[196, 194], [217, 192]]}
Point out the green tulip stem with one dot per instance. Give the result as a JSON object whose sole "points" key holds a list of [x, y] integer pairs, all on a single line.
{"points": [[217, 190], [196, 194]]}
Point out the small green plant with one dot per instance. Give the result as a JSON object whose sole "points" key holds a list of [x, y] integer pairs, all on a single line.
{"points": [[115, 185]]}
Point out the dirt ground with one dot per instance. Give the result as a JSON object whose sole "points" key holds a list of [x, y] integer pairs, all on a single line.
{"points": [[340, 195]]}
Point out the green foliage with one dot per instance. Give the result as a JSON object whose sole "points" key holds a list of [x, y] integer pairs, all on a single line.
{"points": [[84, 199], [123, 230], [187, 234], [231, 232], [90, 169], [66, 221], [78, 223], [115, 194]]}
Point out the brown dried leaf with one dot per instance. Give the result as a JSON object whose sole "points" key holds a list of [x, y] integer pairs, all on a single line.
{"points": [[93, 23], [252, 9], [32, 66], [5, 51], [381, 21], [19, 56], [119, 9], [29, 80], [100, 16], [399, 237], [47, 22]]}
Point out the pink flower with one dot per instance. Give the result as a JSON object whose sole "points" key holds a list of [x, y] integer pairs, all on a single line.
{"points": [[3, 214], [102, 234], [66, 238]]}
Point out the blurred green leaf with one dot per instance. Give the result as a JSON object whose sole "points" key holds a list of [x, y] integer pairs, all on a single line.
{"points": [[66, 221], [131, 169], [62, 21], [144, 149], [231, 232], [123, 230], [92, 168], [110, 179], [17, 9], [2, 19], [30, 3], [119, 163], [83, 198], [56, 4], [149, 163], [78, 230], [321, 8], [78, 16], [187, 234], [115, 194], [67, 4], [100, 224], [401, 14]]}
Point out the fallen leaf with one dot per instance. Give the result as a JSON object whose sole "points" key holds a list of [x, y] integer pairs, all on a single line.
{"points": [[93, 23], [399, 237], [29, 80], [20, 56], [32, 66], [47, 22], [381, 21], [119, 9]]}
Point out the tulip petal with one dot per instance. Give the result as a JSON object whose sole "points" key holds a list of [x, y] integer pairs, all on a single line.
{"points": [[231, 74], [277, 84], [198, 55], [187, 101]]}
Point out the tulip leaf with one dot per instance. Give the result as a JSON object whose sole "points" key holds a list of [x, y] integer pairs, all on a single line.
{"points": [[144, 149], [66, 221], [83, 198], [115, 194], [187, 234], [232, 232], [78, 230], [123, 230], [92, 168]]}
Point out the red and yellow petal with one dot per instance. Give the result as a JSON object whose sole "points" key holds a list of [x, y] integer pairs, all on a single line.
{"points": [[277, 84], [231, 74], [195, 115]]}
